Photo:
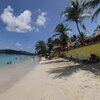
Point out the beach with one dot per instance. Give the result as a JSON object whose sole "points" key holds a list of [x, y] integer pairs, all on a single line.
{"points": [[12, 73], [56, 79]]}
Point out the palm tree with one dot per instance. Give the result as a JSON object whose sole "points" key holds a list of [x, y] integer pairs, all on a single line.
{"points": [[57, 45], [82, 37], [40, 48], [56, 42], [73, 38], [64, 40], [61, 29], [93, 4], [62, 32], [76, 13], [50, 45]]}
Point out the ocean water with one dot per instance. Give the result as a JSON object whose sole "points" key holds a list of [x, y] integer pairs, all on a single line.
{"points": [[13, 58]]}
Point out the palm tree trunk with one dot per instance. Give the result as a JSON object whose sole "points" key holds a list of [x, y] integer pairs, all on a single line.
{"points": [[78, 28], [59, 52]]}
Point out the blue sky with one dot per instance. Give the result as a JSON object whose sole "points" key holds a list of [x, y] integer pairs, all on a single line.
{"points": [[24, 22]]}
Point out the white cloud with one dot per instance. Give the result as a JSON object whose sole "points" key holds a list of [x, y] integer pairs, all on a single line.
{"points": [[21, 23], [41, 19], [36, 29], [39, 10], [18, 44]]}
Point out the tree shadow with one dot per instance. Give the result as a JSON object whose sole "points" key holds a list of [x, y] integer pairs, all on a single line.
{"points": [[67, 59], [64, 71], [56, 61], [94, 68], [69, 70]]}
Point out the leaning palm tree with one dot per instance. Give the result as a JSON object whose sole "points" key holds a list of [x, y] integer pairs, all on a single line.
{"points": [[62, 31], [76, 13], [94, 4], [40, 48]]}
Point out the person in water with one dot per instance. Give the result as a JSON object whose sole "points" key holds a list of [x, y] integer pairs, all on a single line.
{"points": [[9, 62]]}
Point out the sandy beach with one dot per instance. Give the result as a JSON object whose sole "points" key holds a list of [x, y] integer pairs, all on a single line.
{"points": [[56, 79]]}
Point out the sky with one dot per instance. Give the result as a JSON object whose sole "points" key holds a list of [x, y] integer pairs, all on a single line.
{"points": [[24, 22]]}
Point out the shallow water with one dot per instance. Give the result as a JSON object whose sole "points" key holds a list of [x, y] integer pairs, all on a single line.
{"points": [[12, 58]]}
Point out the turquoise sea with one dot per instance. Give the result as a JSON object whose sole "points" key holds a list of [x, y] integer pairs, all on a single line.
{"points": [[6, 59]]}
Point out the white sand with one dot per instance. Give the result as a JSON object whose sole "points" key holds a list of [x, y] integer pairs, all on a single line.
{"points": [[52, 80]]}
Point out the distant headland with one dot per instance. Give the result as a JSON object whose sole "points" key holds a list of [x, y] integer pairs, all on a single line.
{"points": [[18, 52]]}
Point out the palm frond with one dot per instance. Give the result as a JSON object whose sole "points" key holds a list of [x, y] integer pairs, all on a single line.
{"points": [[68, 30], [84, 4], [96, 14], [83, 26], [93, 3], [85, 15], [55, 35], [97, 29]]}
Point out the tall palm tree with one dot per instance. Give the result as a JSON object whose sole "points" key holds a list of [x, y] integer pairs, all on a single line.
{"points": [[40, 48], [76, 13], [94, 4]]}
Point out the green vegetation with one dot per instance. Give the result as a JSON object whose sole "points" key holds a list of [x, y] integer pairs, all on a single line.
{"points": [[97, 29], [78, 45], [84, 52], [94, 4], [9, 51], [62, 32], [41, 48], [50, 44], [76, 13]]}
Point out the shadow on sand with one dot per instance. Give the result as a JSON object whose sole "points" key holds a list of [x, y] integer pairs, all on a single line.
{"points": [[63, 71], [55, 61], [68, 70]]}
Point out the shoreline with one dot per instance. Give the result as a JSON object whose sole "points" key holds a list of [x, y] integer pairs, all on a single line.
{"points": [[14, 62], [11, 74], [56, 79]]}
